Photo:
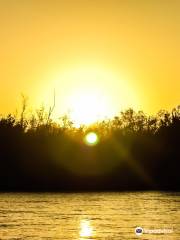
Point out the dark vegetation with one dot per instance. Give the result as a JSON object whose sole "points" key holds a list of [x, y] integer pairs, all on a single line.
{"points": [[135, 152]]}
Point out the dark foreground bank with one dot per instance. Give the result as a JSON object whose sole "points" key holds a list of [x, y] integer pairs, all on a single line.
{"points": [[134, 152]]}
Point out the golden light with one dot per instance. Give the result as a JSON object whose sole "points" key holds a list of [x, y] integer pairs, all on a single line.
{"points": [[88, 108], [91, 138], [86, 93], [86, 229]]}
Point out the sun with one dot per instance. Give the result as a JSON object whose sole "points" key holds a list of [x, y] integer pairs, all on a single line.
{"points": [[88, 93], [88, 106]]}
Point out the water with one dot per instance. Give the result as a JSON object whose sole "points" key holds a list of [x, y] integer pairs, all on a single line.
{"points": [[81, 216]]}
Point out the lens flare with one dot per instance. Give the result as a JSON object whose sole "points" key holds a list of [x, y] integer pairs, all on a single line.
{"points": [[91, 139]]}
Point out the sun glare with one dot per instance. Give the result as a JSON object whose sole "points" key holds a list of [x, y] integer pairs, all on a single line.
{"points": [[86, 229], [87, 94], [88, 107]]}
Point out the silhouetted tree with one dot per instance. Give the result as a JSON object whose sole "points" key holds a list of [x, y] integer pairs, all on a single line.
{"points": [[135, 151]]}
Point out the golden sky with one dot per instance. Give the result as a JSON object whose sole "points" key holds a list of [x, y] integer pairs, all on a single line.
{"points": [[126, 52]]}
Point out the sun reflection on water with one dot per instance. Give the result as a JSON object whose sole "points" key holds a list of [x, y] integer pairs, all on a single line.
{"points": [[86, 230]]}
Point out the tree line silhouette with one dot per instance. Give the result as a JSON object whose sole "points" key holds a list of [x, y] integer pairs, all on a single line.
{"points": [[135, 151]]}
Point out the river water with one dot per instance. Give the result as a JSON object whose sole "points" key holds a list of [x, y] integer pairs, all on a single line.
{"points": [[79, 216]]}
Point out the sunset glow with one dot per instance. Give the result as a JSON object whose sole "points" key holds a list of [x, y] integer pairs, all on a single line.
{"points": [[88, 108], [89, 119], [87, 94], [122, 53]]}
